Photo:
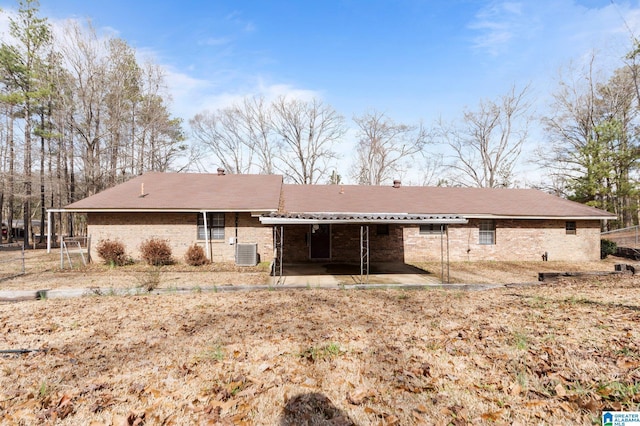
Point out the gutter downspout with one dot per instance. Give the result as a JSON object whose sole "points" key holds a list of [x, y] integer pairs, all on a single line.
{"points": [[206, 235]]}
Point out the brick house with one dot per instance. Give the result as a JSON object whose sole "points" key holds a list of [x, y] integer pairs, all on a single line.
{"points": [[228, 214]]}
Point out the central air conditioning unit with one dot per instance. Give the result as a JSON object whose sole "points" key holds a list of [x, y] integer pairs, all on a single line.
{"points": [[247, 254]]}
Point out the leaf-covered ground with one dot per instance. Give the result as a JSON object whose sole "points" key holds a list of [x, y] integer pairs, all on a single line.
{"points": [[43, 272], [547, 354]]}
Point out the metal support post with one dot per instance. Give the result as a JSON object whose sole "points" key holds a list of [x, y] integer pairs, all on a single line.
{"points": [[278, 246], [364, 254]]}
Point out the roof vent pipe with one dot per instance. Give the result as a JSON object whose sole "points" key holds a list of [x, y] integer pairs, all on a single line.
{"points": [[396, 183], [220, 171]]}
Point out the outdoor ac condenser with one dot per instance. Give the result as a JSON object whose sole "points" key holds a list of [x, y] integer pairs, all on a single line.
{"points": [[247, 254]]}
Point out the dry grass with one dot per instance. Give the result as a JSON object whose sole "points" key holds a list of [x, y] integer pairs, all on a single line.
{"points": [[43, 272], [547, 354], [488, 272]]}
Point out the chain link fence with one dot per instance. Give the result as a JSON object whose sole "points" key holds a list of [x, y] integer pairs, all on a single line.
{"points": [[11, 260], [625, 237]]}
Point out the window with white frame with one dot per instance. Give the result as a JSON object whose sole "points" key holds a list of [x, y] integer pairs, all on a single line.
{"points": [[570, 227], [432, 229], [215, 225], [487, 235]]}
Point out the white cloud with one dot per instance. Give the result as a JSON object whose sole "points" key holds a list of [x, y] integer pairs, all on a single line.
{"points": [[192, 95], [237, 18], [273, 91], [552, 28], [497, 24], [215, 41]]}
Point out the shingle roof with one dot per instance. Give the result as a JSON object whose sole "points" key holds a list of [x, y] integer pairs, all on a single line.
{"points": [[262, 193], [468, 202], [189, 191]]}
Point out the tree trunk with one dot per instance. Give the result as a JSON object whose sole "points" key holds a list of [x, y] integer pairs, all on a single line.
{"points": [[42, 194]]}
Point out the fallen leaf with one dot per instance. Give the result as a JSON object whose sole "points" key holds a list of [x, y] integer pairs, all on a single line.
{"points": [[421, 409], [359, 396], [492, 416], [391, 420], [560, 390], [65, 406], [516, 389], [567, 407], [119, 421]]}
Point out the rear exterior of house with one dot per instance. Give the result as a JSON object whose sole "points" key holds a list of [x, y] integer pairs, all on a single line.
{"points": [[216, 211], [230, 214], [500, 224]]}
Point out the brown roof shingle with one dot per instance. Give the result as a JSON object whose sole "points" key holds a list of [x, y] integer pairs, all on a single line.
{"points": [[432, 200], [266, 193], [189, 191]]}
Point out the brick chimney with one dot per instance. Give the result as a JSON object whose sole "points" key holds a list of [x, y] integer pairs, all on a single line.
{"points": [[220, 171], [396, 183]]}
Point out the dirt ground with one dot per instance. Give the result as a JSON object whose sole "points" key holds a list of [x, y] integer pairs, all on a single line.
{"points": [[556, 353], [43, 272]]}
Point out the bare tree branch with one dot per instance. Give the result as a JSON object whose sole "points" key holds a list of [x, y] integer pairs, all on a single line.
{"points": [[385, 148], [488, 141]]}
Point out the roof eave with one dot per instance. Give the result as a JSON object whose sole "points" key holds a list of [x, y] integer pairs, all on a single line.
{"points": [[534, 217], [360, 219], [162, 210]]}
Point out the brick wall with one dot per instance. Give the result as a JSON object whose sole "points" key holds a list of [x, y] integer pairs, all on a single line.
{"points": [[345, 243], [514, 240], [180, 229]]}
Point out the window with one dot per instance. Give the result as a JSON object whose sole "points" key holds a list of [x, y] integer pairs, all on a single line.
{"points": [[382, 229], [487, 232], [432, 229], [215, 223], [570, 227]]}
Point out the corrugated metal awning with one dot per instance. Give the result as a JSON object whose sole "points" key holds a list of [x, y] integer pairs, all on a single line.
{"points": [[359, 218]]}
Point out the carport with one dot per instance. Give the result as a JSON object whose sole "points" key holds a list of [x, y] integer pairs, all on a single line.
{"points": [[364, 221]]}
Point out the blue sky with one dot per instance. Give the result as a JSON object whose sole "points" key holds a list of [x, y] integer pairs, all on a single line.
{"points": [[413, 59]]}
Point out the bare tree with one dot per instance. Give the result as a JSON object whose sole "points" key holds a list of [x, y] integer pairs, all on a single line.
{"points": [[160, 137], [385, 148], [124, 80], [308, 131], [240, 137], [87, 65], [431, 169], [256, 119], [487, 142], [223, 134]]}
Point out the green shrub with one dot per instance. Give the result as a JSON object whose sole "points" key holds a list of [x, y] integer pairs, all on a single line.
{"points": [[607, 247], [112, 252], [156, 252], [195, 256]]}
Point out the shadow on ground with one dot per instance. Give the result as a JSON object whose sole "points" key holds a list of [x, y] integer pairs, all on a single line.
{"points": [[309, 409]]}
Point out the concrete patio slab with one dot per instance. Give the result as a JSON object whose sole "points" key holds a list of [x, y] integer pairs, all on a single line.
{"points": [[322, 273]]}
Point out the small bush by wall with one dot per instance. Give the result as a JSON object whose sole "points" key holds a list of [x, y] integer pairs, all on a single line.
{"points": [[112, 252], [156, 252], [195, 256], [607, 247]]}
